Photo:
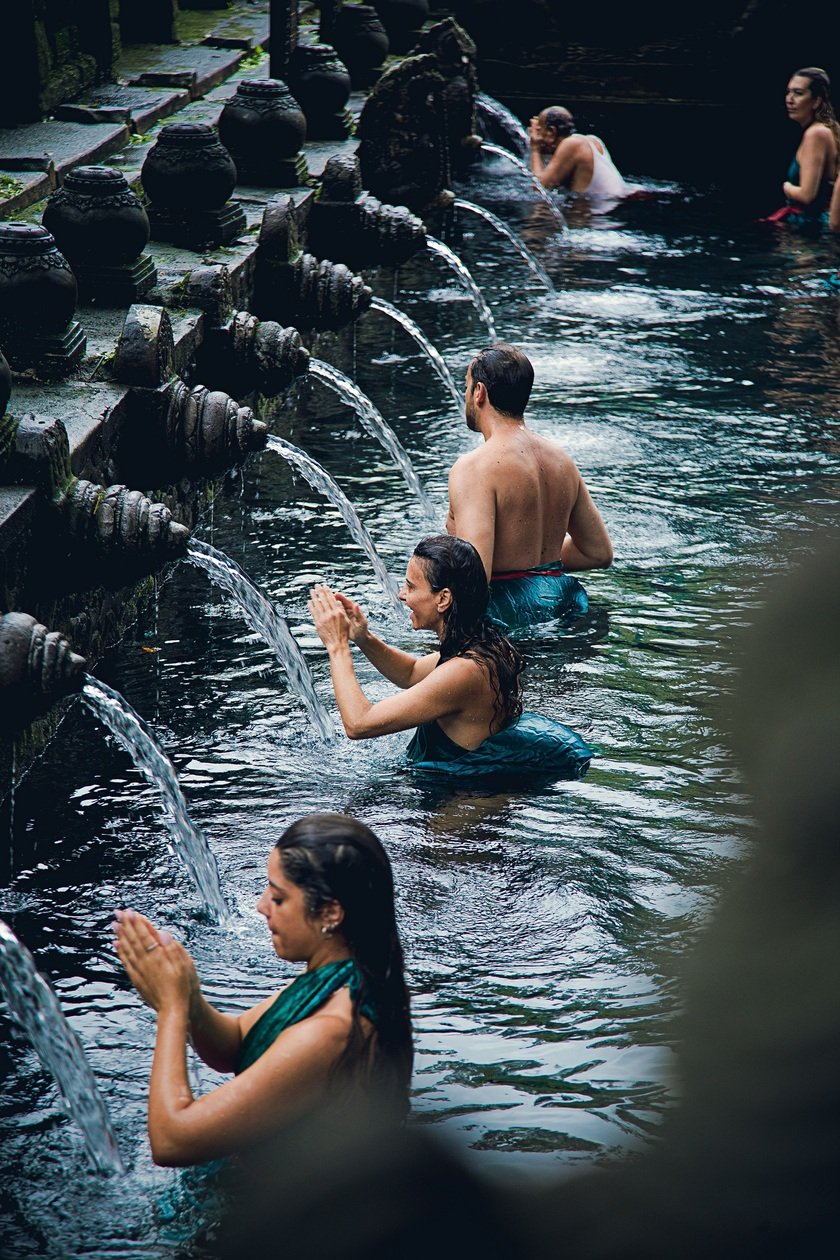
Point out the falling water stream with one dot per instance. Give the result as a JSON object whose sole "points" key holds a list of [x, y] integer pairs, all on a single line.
{"points": [[433, 354], [498, 151], [373, 421], [502, 228], [37, 1011], [440, 250], [499, 114], [131, 732], [267, 621], [320, 480]]}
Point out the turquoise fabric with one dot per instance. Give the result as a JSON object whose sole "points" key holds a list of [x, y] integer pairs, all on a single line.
{"points": [[817, 211], [529, 596], [297, 1001], [532, 745]]}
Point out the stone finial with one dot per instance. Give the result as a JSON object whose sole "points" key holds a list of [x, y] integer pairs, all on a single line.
{"points": [[210, 289], [34, 450], [146, 348], [34, 663]]}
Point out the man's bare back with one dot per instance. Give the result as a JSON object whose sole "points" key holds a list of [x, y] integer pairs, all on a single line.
{"points": [[519, 498]]}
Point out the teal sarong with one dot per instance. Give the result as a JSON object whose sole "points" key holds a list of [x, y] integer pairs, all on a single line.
{"points": [[533, 744], [525, 597], [297, 1001]]}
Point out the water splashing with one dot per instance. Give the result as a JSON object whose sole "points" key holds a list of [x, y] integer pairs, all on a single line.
{"points": [[489, 107], [373, 420], [435, 357], [321, 480], [500, 226], [132, 734], [261, 614], [435, 246], [543, 192], [34, 1006]]}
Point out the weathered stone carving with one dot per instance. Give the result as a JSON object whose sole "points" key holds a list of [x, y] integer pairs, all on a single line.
{"points": [[34, 450], [38, 294], [361, 42], [455, 54], [321, 83], [250, 354], [263, 127], [102, 229], [146, 348], [117, 521], [298, 289], [37, 665], [179, 431], [188, 177], [402, 150], [357, 227]]}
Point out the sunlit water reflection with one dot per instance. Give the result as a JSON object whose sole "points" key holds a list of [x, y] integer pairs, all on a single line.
{"points": [[690, 370]]}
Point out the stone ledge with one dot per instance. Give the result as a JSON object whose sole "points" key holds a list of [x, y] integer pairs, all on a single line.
{"points": [[39, 146], [140, 108]]}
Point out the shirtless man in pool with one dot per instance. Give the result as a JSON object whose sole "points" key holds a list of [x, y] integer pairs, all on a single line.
{"points": [[561, 157], [519, 498]]}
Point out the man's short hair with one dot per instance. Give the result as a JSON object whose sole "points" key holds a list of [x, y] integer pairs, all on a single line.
{"points": [[559, 119], [507, 375]]}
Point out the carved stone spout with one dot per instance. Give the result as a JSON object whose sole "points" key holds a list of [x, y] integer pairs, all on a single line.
{"points": [[250, 354], [206, 430], [115, 521], [35, 664], [355, 226], [178, 431], [297, 288]]}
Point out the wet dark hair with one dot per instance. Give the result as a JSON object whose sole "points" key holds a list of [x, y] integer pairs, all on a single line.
{"points": [[559, 119], [820, 85], [454, 564], [333, 857], [507, 375]]}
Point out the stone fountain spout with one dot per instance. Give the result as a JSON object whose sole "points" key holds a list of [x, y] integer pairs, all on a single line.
{"points": [[117, 523], [357, 226], [297, 288], [249, 354], [37, 667]]}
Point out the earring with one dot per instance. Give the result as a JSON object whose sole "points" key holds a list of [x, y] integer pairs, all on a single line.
{"points": [[327, 929]]}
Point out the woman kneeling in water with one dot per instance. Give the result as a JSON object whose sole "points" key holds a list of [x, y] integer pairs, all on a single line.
{"points": [[466, 698], [342, 1025]]}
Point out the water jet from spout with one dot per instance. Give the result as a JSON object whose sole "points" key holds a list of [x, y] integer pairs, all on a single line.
{"points": [[320, 480], [501, 227], [36, 1009], [131, 733], [373, 420], [443, 251], [264, 618], [543, 192], [435, 357]]}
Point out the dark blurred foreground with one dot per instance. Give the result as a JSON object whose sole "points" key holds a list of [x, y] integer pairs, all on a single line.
{"points": [[748, 1164]]}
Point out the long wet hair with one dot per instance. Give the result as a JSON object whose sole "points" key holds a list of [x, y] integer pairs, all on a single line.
{"points": [[820, 86], [454, 564], [333, 857]]}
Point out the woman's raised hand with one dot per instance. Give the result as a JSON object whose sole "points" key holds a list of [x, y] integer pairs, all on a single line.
{"points": [[331, 620], [358, 621], [158, 966]]}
